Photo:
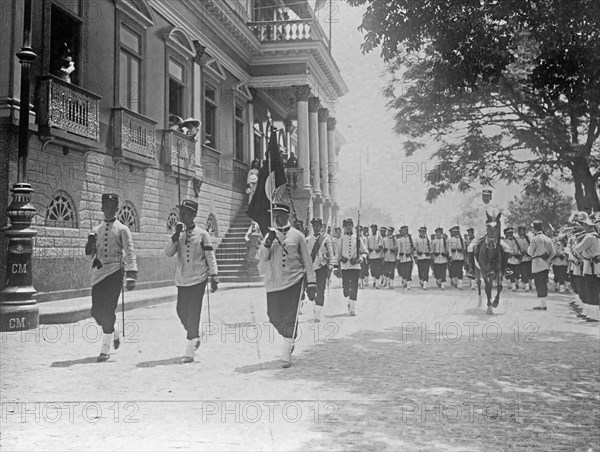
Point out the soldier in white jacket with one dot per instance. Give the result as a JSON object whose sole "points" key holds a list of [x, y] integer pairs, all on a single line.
{"points": [[322, 254], [195, 263], [110, 247], [350, 254], [541, 249]]}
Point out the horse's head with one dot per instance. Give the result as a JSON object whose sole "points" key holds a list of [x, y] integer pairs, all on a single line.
{"points": [[493, 229]]}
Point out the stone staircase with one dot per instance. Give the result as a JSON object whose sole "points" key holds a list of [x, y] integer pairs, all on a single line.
{"points": [[231, 254]]}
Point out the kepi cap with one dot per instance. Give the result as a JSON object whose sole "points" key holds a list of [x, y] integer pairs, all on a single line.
{"points": [[316, 220], [280, 207], [189, 204], [454, 228], [509, 229], [486, 191], [110, 197]]}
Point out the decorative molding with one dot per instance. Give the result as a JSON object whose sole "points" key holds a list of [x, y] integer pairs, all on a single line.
{"points": [[302, 93], [331, 123], [323, 114], [200, 50], [139, 10], [178, 40], [314, 103], [214, 68]]}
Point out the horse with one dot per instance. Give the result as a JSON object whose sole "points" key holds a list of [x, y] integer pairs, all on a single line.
{"points": [[489, 256]]}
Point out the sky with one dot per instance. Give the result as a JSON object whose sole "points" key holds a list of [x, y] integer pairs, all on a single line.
{"points": [[390, 180]]}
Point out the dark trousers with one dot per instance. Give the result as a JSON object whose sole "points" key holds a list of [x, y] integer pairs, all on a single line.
{"points": [[423, 268], [282, 308], [376, 267], [321, 284], [405, 270], [516, 268], [350, 283], [456, 269], [525, 271], [590, 286], [541, 283], [439, 271], [105, 298], [388, 269], [576, 283], [560, 274], [364, 269], [189, 307]]}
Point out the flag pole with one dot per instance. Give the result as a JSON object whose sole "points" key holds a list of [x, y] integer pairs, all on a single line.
{"points": [[330, 37]]}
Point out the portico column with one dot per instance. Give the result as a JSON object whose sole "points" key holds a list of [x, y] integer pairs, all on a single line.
{"points": [[332, 168], [302, 94], [313, 117], [324, 163]]}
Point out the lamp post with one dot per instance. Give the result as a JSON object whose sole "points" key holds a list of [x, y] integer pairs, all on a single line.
{"points": [[18, 308]]}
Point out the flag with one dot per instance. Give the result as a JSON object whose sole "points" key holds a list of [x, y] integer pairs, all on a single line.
{"points": [[271, 184]]}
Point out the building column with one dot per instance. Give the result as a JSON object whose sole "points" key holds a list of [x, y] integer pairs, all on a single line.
{"points": [[332, 169], [324, 163], [315, 179], [250, 134], [302, 94]]}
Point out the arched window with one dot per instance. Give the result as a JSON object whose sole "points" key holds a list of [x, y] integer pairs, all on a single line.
{"points": [[212, 226], [61, 211], [128, 216], [172, 220]]}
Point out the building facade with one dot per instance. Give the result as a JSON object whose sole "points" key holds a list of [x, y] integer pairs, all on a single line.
{"points": [[112, 124]]}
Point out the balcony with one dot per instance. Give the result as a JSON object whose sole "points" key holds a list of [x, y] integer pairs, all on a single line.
{"points": [[287, 30], [68, 115], [134, 138], [178, 154]]}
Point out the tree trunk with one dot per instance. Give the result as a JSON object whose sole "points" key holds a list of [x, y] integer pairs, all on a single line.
{"points": [[586, 191]]}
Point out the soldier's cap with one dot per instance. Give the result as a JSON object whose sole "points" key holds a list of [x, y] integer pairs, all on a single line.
{"points": [[454, 228], [373, 225], [191, 122], [509, 230], [390, 228], [106, 197], [521, 228], [189, 204], [348, 222], [422, 229], [316, 221], [537, 225], [579, 217], [403, 227], [470, 229], [280, 207], [383, 228], [439, 228], [486, 191]]}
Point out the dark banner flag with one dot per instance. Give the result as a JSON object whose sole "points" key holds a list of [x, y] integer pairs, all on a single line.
{"points": [[260, 205]]}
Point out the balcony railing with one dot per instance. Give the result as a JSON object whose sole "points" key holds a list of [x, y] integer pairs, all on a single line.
{"points": [[134, 137], [68, 107], [179, 153], [285, 30]]}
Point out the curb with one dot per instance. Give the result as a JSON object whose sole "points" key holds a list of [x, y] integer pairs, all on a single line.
{"points": [[72, 314]]}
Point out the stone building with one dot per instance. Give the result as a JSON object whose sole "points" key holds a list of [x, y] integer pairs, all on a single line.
{"points": [[110, 125]]}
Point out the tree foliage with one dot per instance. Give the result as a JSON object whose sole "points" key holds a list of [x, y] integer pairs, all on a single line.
{"points": [[510, 89], [549, 206]]}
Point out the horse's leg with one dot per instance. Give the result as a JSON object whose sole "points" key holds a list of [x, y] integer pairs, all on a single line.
{"points": [[488, 292], [478, 276], [499, 283]]}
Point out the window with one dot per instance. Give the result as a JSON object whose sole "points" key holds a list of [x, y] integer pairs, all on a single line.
{"points": [[239, 133], [176, 88], [128, 216], [65, 41], [130, 62], [257, 145], [61, 213], [210, 116]]}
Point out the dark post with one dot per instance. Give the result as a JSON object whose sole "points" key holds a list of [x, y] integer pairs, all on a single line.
{"points": [[18, 308]]}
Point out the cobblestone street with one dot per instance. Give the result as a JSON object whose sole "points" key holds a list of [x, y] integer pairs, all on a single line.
{"points": [[412, 371]]}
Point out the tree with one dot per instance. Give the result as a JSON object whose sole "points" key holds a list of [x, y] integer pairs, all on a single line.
{"points": [[510, 89], [547, 205]]}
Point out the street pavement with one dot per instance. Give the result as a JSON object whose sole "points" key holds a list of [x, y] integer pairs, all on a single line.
{"points": [[413, 371]]}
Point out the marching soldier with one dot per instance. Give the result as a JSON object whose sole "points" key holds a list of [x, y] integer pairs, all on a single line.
{"points": [[576, 265], [514, 257], [457, 257], [439, 248], [195, 263], [525, 265], [423, 250], [541, 251], [588, 248], [406, 250], [110, 247], [389, 258], [375, 249], [284, 261], [383, 279], [364, 266], [560, 262], [469, 236], [323, 259], [350, 254]]}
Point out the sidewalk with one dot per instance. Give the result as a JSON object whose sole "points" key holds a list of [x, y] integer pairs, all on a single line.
{"points": [[75, 309]]}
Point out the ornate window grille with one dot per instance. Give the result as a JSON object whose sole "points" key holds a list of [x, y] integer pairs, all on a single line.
{"points": [[128, 216], [211, 225], [61, 212], [172, 220]]}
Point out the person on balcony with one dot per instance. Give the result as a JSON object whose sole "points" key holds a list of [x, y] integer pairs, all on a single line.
{"points": [[252, 179], [67, 66], [190, 127], [292, 176], [175, 122]]}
